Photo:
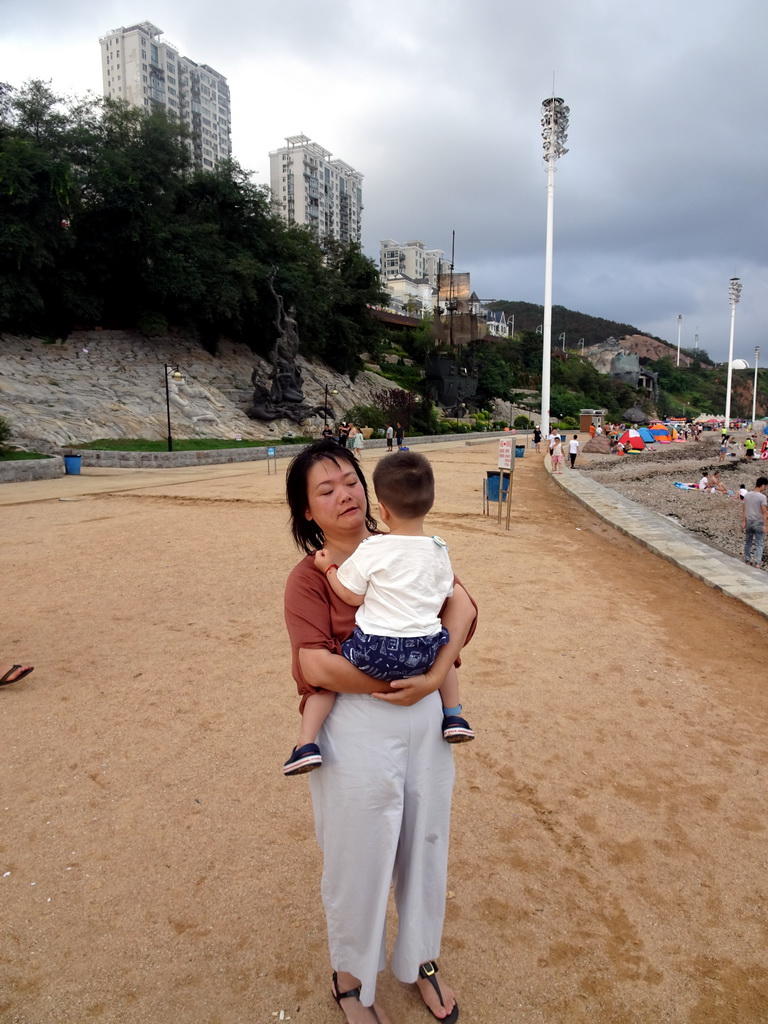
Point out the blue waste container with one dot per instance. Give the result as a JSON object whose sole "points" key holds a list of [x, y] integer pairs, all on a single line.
{"points": [[72, 464], [519, 451], [492, 485]]}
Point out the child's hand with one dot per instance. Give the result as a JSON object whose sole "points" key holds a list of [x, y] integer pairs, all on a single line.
{"points": [[322, 561]]}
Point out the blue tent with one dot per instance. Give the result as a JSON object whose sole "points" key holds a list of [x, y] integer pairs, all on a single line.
{"points": [[646, 435]]}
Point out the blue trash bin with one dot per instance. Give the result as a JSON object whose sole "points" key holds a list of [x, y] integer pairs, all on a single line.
{"points": [[72, 464], [492, 485], [519, 451]]}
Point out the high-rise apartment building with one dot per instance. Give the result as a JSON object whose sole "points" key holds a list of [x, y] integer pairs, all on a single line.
{"points": [[147, 72], [308, 187], [412, 260]]}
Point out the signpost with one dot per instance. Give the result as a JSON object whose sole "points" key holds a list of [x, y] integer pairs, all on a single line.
{"points": [[506, 464], [271, 459]]}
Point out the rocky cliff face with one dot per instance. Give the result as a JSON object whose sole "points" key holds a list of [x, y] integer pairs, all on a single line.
{"points": [[111, 384]]}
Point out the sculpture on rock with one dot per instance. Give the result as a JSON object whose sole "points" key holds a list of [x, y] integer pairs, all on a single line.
{"points": [[284, 399]]}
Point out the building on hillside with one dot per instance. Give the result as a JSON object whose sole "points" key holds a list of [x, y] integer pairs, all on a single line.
{"points": [[497, 324], [409, 273], [310, 188], [611, 358], [145, 71]]}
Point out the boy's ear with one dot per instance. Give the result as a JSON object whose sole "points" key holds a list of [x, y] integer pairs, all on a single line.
{"points": [[384, 511]]}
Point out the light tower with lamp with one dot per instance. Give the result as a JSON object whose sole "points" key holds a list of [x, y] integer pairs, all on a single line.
{"points": [[554, 125], [734, 294], [754, 386], [679, 331]]}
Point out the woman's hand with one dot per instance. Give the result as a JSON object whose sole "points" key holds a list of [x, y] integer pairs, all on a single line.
{"points": [[405, 692]]}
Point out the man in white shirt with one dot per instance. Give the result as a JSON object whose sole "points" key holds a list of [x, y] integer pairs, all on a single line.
{"points": [[573, 449]]}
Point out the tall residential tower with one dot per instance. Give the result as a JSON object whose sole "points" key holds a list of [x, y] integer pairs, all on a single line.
{"points": [[140, 68], [308, 187]]}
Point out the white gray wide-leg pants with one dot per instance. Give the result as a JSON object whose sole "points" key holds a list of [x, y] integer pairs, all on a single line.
{"points": [[382, 803]]}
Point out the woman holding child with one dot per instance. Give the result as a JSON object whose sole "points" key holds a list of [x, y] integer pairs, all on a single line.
{"points": [[382, 796]]}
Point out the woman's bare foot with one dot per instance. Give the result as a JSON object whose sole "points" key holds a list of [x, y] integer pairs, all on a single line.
{"points": [[353, 1009], [432, 999]]}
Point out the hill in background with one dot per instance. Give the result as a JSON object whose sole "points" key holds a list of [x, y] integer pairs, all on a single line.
{"points": [[592, 329]]}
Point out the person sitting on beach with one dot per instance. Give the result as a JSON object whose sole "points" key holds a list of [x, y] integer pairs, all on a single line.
{"points": [[398, 581], [704, 482], [716, 485], [742, 491]]}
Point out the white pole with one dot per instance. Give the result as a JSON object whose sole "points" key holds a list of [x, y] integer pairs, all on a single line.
{"points": [[679, 329], [546, 341], [554, 123], [734, 294], [754, 386]]}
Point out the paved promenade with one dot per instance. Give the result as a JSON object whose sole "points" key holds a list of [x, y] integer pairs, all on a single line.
{"points": [[667, 539]]}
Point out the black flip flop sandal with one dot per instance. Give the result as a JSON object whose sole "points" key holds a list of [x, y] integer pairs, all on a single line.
{"points": [[5, 681], [428, 971]]}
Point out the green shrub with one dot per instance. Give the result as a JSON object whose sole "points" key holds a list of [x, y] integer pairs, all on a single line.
{"points": [[523, 423], [5, 432]]}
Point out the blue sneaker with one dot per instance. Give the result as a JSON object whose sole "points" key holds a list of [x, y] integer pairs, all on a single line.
{"points": [[456, 730], [303, 759]]}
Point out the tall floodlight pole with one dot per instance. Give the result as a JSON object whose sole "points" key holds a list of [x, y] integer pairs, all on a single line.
{"points": [[679, 330], [734, 294], [754, 386], [554, 125]]}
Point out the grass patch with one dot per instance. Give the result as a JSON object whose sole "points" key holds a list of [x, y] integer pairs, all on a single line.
{"points": [[6, 456], [198, 444]]}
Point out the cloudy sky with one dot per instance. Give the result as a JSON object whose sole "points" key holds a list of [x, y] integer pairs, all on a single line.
{"points": [[659, 202]]}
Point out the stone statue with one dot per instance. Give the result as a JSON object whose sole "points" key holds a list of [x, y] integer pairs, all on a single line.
{"points": [[284, 399]]}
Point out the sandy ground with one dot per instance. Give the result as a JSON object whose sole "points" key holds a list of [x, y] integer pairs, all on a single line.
{"points": [[609, 856]]}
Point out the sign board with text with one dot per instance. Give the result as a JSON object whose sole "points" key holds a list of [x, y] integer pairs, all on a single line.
{"points": [[506, 453]]}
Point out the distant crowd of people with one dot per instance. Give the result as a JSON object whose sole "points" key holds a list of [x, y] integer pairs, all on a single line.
{"points": [[347, 435]]}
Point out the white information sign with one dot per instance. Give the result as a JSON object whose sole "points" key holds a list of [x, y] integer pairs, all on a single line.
{"points": [[506, 453]]}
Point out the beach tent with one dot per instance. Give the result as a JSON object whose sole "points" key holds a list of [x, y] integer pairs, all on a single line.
{"points": [[632, 440], [646, 435], [661, 432]]}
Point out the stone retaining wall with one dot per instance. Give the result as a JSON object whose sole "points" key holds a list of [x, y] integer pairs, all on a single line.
{"points": [[93, 459], [31, 469]]}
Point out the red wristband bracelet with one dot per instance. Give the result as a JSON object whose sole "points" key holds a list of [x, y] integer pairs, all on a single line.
{"points": [[334, 566]]}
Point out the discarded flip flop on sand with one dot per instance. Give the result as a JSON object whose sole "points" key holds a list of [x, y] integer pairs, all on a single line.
{"points": [[21, 672]]}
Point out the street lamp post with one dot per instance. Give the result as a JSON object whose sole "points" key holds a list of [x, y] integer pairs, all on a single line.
{"points": [[581, 342], [176, 375], [679, 330], [554, 124], [734, 294], [561, 337], [332, 391], [754, 386]]}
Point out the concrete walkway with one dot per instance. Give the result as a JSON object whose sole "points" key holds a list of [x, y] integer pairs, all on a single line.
{"points": [[715, 568]]}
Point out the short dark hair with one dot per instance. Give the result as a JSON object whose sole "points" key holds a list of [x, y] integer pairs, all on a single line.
{"points": [[307, 534], [406, 484], [761, 481]]}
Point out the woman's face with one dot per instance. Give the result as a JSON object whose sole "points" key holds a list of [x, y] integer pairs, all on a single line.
{"points": [[335, 498]]}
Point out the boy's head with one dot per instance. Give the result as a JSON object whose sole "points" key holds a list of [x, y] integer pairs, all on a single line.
{"points": [[406, 485], [761, 482]]}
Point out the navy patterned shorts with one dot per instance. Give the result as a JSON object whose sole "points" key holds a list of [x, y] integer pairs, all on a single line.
{"points": [[392, 657]]}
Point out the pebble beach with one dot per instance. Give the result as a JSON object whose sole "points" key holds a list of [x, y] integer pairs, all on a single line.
{"points": [[649, 478]]}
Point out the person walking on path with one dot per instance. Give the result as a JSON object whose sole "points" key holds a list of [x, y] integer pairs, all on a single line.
{"points": [[557, 456], [537, 439], [390, 436], [573, 449], [399, 435], [755, 522]]}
